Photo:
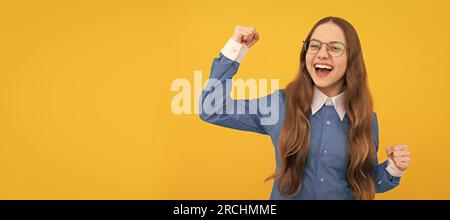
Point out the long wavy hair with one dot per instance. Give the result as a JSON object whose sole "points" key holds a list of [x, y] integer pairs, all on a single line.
{"points": [[295, 132]]}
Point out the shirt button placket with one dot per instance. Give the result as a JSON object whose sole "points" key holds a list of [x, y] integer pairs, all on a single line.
{"points": [[327, 122], [325, 151]]}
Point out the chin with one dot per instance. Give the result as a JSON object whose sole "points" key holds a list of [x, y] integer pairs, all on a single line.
{"points": [[322, 83]]}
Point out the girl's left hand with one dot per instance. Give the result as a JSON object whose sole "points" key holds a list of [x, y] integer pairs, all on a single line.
{"points": [[400, 155]]}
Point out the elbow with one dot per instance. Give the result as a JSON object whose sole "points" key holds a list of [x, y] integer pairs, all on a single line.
{"points": [[209, 117], [202, 114], [210, 113]]}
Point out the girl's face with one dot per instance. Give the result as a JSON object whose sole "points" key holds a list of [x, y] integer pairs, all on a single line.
{"points": [[327, 67]]}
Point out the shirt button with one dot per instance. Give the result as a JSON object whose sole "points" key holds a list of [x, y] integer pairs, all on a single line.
{"points": [[325, 151], [321, 179], [328, 122]]}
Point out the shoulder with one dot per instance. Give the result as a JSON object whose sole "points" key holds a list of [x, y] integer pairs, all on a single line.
{"points": [[281, 94], [375, 120]]}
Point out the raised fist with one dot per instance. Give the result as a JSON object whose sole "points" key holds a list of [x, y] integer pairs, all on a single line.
{"points": [[246, 35]]}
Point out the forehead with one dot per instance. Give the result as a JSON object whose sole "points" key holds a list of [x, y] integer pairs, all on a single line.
{"points": [[328, 32]]}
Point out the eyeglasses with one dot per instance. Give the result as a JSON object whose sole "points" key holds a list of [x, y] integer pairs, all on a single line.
{"points": [[334, 48]]}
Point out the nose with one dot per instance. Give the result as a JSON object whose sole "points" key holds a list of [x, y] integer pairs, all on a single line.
{"points": [[323, 52]]}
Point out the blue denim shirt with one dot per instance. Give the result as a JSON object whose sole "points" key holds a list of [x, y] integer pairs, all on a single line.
{"points": [[325, 174]]}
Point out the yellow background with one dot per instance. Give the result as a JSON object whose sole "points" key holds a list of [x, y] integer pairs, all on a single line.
{"points": [[85, 94]]}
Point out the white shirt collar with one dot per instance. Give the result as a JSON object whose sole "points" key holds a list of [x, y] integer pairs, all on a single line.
{"points": [[320, 99]]}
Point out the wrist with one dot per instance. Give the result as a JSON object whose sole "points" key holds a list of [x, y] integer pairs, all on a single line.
{"points": [[393, 170], [237, 38]]}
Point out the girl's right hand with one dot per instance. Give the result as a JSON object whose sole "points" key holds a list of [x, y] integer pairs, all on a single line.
{"points": [[246, 35]]}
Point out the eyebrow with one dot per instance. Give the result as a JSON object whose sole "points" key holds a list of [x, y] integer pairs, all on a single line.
{"points": [[329, 42]]}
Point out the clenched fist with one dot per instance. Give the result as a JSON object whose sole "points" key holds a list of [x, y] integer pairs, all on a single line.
{"points": [[399, 155], [246, 35]]}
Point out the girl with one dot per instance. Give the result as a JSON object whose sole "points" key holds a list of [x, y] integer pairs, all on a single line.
{"points": [[326, 135]]}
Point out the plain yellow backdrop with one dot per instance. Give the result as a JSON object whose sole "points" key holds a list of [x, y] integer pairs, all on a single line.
{"points": [[85, 99]]}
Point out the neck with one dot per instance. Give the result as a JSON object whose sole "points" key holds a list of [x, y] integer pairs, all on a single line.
{"points": [[333, 90]]}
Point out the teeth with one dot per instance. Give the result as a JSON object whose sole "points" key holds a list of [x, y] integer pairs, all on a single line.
{"points": [[323, 66]]}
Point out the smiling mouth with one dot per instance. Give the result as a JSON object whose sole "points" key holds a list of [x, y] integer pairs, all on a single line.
{"points": [[322, 70]]}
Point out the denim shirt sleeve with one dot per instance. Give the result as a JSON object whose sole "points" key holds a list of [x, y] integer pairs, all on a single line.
{"points": [[217, 107], [383, 180]]}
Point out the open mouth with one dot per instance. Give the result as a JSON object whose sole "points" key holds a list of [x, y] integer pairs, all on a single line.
{"points": [[322, 70]]}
